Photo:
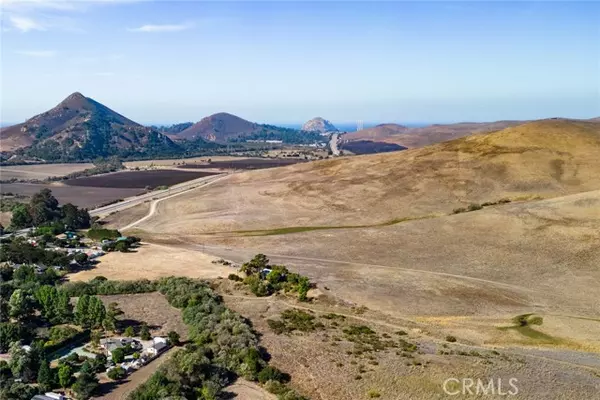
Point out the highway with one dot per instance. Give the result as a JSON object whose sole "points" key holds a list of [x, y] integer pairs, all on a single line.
{"points": [[155, 195], [134, 201]]}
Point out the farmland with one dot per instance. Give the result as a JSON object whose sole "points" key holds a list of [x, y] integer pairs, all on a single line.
{"points": [[41, 171], [88, 197], [245, 164], [137, 179]]}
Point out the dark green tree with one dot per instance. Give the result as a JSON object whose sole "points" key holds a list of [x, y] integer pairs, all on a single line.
{"points": [[145, 332], [46, 378], [118, 355], [20, 217], [173, 338]]}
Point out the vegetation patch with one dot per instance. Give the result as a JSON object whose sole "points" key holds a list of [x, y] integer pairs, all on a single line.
{"points": [[294, 320], [264, 279]]}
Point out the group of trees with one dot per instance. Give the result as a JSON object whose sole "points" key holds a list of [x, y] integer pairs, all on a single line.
{"points": [[278, 278], [43, 210], [90, 312], [222, 344]]}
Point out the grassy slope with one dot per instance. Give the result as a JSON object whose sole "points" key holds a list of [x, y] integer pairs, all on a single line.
{"points": [[545, 158]]}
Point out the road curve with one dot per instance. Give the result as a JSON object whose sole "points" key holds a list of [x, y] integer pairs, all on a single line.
{"points": [[155, 202], [155, 195]]}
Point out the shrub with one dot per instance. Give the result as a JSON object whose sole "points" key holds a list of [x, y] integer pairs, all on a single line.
{"points": [[373, 394], [173, 338], [450, 339], [270, 373], [474, 207], [459, 210], [100, 234], [234, 277], [116, 374]]}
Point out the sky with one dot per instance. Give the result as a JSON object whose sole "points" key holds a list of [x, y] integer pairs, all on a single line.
{"points": [[286, 62]]}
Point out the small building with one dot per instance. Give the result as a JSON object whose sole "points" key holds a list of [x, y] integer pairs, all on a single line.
{"points": [[122, 238]]}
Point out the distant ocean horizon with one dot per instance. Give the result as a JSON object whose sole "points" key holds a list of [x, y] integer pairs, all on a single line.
{"points": [[351, 126]]}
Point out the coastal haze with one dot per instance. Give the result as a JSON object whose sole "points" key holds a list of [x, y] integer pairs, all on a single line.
{"points": [[299, 200]]}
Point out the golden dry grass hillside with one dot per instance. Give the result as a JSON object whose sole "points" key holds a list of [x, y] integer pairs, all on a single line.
{"points": [[545, 158]]}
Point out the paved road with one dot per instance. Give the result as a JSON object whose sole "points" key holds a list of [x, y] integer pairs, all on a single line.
{"points": [[156, 201], [333, 144], [158, 194]]}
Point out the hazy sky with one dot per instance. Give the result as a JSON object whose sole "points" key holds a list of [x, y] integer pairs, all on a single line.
{"points": [[286, 62]]}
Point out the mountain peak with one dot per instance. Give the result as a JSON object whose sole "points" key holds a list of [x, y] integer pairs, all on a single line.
{"points": [[74, 100], [319, 124]]}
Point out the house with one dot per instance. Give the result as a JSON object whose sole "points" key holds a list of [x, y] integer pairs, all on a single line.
{"points": [[49, 396], [112, 344], [159, 344]]}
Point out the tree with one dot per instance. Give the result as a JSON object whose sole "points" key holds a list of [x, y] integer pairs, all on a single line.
{"points": [[116, 374], [145, 332], [118, 355], [75, 218], [25, 362], [95, 338], [10, 333], [20, 217], [173, 338], [99, 363], [122, 246], [86, 383], [129, 331], [81, 258], [65, 376], [136, 355], [45, 377], [110, 322], [89, 311], [20, 305], [254, 266]]}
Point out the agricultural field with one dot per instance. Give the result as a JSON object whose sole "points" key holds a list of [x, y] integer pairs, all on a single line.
{"points": [[40, 171], [87, 197], [245, 164], [137, 179]]}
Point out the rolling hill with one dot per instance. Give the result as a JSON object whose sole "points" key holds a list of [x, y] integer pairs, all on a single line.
{"points": [[544, 158], [424, 136], [223, 127], [80, 128]]}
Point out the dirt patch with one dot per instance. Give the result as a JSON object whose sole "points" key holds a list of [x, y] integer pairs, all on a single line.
{"points": [[245, 390], [152, 261], [151, 308], [137, 179]]}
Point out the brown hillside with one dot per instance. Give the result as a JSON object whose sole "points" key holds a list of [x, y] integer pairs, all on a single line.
{"points": [[419, 137], [81, 127], [544, 158], [219, 127]]}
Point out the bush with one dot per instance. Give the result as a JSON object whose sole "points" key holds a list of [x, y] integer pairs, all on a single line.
{"points": [[102, 233], [234, 277], [270, 373], [373, 394], [116, 374], [459, 210], [450, 339], [474, 207]]}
